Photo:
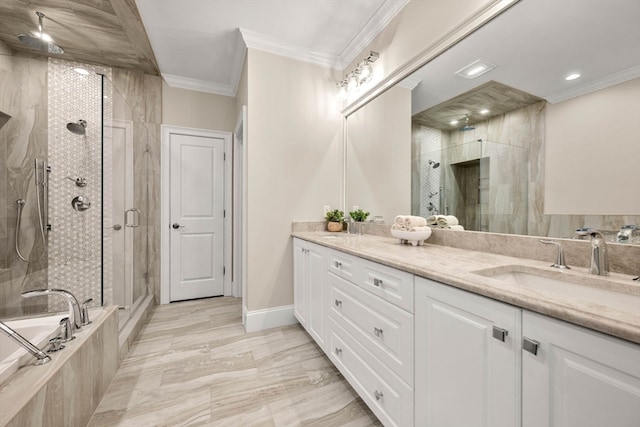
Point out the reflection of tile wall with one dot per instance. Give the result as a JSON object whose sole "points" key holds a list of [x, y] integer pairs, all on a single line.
{"points": [[425, 180], [76, 236]]}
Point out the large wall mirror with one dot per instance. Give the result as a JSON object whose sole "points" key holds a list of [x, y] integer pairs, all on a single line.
{"points": [[491, 131]]}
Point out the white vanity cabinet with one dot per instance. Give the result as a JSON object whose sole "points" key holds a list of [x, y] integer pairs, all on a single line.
{"points": [[309, 289], [467, 358], [577, 377]]}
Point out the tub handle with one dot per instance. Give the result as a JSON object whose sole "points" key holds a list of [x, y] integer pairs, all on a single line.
{"points": [[66, 333], [84, 311]]}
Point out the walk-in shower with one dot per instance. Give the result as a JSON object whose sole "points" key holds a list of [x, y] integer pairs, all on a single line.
{"points": [[66, 224]]}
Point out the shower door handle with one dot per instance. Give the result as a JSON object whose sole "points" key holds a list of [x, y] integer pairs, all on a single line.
{"points": [[136, 218]]}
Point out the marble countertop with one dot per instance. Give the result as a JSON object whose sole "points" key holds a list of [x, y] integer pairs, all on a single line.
{"points": [[471, 271]]}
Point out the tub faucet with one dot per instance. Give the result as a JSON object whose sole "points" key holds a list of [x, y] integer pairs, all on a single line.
{"points": [[599, 258], [41, 357], [74, 307]]}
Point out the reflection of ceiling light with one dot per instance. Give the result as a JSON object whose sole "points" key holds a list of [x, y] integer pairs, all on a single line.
{"points": [[453, 122], [475, 69], [484, 112], [572, 76], [81, 71], [352, 81]]}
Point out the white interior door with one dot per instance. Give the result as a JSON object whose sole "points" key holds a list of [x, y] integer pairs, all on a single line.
{"points": [[197, 212]]}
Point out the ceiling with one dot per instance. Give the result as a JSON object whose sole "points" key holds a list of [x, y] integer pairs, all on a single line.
{"points": [[106, 32], [199, 44]]}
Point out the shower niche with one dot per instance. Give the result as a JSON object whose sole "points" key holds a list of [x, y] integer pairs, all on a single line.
{"points": [[483, 183]]}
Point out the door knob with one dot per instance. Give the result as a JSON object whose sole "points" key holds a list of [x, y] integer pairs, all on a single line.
{"points": [[176, 226], [117, 227]]}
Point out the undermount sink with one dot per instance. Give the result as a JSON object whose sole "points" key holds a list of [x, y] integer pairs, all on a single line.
{"points": [[589, 289]]}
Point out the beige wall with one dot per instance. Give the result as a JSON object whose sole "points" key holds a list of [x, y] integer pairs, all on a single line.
{"points": [[190, 108], [378, 157], [243, 91], [593, 148], [294, 155]]}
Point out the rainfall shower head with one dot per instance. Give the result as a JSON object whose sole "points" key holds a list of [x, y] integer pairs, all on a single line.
{"points": [[433, 164], [40, 40], [466, 126], [79, 127]]}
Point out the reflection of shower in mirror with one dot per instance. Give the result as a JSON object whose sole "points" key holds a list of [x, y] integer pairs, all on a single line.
{"points": [[433, 164]]}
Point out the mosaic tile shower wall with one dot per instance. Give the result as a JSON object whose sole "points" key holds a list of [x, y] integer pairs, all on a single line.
{"points": [[427, 143], [75, 240]]}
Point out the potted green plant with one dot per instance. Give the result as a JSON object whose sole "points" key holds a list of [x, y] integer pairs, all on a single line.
{"points": [[335, 219], [359, 215]]}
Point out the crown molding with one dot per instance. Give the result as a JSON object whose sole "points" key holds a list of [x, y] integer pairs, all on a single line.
{"points": [[602, 83], [384, 15], [199, 85], [277, 46]]}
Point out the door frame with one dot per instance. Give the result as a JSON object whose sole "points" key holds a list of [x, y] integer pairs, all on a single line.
{"points": [[240, 210], [165, 211]]}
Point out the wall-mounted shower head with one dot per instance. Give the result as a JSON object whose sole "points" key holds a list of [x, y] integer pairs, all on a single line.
{"points": [[433, 164], [40, 40], [79, 127]]}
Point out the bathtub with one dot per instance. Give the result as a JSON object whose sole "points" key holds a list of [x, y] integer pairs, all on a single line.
{"points": [[37, 330]]}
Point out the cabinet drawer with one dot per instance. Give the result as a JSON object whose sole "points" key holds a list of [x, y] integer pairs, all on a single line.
{"points": [[388, 283], [343, 265], [387, 395], [385, 330]]}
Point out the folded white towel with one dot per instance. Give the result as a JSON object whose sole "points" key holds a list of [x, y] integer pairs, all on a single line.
{"points": [[395, 226], [414, 221], [432, 220], [457, 227], [399, 220], [447, 220]]}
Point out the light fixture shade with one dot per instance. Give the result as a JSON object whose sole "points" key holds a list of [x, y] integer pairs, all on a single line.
{"points": [[366, 72], [352, 82]]}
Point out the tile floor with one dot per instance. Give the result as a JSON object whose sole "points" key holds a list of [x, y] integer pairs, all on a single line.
{"points": [[193, 365]]}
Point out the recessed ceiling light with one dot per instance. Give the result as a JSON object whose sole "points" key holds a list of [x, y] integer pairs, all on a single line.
{"points": [[81, 71], [572, 76], [453, 122], [475, 69], [484, 112]]}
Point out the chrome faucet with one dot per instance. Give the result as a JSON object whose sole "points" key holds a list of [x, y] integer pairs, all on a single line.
{"points": [[41, 357], [74, 307], [559, 257], [599, 258]]}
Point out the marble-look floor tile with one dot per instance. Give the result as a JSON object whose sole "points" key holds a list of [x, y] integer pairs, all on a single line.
{"points": [[193, 365]]}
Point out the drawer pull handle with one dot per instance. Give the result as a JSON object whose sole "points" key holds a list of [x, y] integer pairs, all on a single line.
{"points": [[530, 345], [377, 332], [499, 333], [338, 351], [377, 282], [338, 303], [378, 395], [338, 264]]}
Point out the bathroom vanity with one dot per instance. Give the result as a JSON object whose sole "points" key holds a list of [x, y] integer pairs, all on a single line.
{"points": [[440, 336]]}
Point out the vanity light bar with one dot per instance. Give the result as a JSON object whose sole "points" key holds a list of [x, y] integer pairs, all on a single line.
{"points": [[361, 74]]}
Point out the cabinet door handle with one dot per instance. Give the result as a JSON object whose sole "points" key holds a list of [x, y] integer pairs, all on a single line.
{"points": [[337, 264], [377, 282], [377, 332], [338, 303], [499, 333], [530, 345], [378, 395], [338, 351]]}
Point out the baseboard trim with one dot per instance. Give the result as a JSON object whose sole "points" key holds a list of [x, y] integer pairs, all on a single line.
{"points": [[258, 320]]}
